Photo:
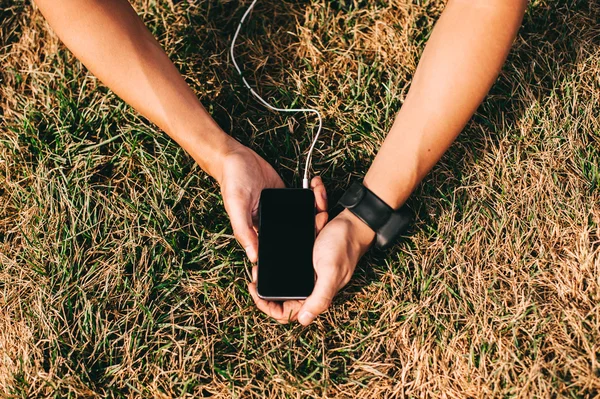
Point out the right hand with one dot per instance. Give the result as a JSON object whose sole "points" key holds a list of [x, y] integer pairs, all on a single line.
{"points": [[244, 174]]}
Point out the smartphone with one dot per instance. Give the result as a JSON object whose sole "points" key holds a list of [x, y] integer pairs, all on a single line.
{"points": [[286, 236]]}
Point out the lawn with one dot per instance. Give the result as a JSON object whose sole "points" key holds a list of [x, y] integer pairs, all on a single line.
{"points": [[119, 274]]}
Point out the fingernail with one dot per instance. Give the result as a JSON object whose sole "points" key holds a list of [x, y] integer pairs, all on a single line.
{"points": [[306, 318]]}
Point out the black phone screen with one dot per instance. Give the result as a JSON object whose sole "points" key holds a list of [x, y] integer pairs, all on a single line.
{"points": [[286, 235]]}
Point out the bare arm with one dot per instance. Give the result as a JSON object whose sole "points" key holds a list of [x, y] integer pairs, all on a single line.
{"points": [[461, 61], [113, 43]]}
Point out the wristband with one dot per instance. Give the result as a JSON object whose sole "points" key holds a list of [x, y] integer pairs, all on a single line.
{"points": [[386, 222]]}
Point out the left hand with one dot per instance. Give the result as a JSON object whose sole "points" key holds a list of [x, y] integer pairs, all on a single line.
{"points": [[243, 175]]}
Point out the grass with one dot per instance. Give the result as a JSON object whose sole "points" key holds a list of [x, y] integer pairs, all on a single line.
{"points": [[119, 276]]}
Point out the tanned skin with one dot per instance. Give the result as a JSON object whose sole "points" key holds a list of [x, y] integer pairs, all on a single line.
{"points": [[462, 59]]}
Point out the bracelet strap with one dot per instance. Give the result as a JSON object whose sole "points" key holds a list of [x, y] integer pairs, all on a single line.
{"points": [[387, 223]]}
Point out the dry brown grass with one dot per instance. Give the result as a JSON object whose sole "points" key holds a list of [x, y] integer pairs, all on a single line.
{"points": [[119, 276]]}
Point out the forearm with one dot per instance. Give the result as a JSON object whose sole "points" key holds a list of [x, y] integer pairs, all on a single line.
{"points": [[461, 61], [113, 43]]}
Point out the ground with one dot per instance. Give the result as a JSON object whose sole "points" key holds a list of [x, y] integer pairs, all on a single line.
{"points": [[119, 275]]}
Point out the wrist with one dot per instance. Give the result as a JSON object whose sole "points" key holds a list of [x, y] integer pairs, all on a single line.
{"points": [[200, 136], [209, 147], [219, 152], [393, 192], [386, 222], [363, 237]]}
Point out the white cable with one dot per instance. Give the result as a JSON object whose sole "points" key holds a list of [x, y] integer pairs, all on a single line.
{"points": [[305, 182]]}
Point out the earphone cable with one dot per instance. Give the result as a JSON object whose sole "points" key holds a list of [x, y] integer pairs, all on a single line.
{"points": [[305, 180]]}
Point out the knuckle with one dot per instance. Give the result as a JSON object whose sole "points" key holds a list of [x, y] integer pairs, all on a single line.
{"points": [[241, 235], [322, 303]]}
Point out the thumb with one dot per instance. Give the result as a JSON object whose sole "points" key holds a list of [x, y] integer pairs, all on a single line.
{"points": [[319, 300], [241, 221]]}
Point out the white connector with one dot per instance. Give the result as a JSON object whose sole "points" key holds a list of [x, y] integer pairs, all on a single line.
{"points": [[305, 180]]}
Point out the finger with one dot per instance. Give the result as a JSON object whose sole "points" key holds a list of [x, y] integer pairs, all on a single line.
{"points": [[271, 309], [241, 221], [321, 221], [288, 311], [320, 299], [292, 308], [254, 216], [321, 202], [283, 312], [320, 194]]}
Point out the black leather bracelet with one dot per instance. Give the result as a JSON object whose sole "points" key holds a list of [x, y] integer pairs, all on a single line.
{"points": [[386, 222]]}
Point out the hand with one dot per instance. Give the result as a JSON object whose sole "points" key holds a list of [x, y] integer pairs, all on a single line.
{"points": [[244, 174], [288, 310], [337, 250]]}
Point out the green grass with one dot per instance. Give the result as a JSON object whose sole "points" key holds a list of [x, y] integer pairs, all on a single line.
{"points": [[119, 274]]}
